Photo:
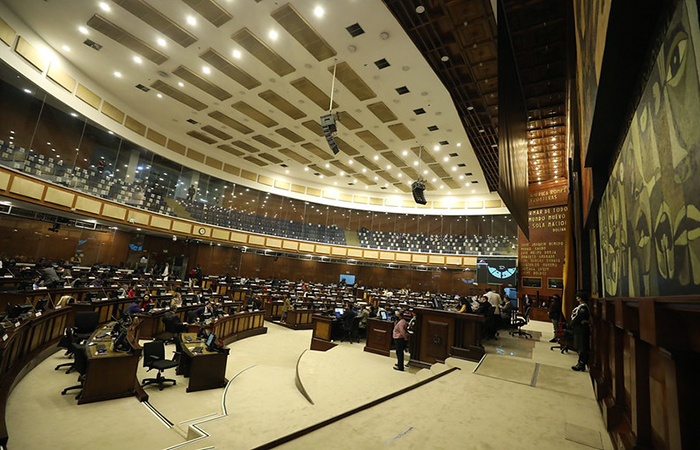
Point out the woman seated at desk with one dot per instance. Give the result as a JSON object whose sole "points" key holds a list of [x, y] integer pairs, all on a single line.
{"points": [[464, 306]]}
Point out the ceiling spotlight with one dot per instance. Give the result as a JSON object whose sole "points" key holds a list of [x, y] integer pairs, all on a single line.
{"points": [[159, 95], [181, 84], [445, 58], [118, 74], [420, 9], [318, 11], [436, 148], [376, 157], [138, 60], [83, 30], [206, 70], [66, 48], [415, 163], [191, 20], [105, 7], [161, 42], [459, 144], [237, 54], [273, 34]]}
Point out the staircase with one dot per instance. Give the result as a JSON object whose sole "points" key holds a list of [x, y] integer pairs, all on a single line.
{"points": [[351, 238], [178, 209]]}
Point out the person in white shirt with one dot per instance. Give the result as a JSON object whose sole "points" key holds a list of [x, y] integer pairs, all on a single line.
{"points": [[494, 299], [166, 271]]}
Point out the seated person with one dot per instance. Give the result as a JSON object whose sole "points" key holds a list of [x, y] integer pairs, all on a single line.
{"points": [[348, 316], [133, 308], [146, 303], [485, 307], [464, 306], [363, 315], [172, 321], [206, 312]]}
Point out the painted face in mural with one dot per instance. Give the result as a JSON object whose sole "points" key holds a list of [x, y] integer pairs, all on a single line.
{"points": [[681, 96]]}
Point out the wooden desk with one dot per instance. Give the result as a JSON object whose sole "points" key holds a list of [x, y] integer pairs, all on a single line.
{"points": [[323, 331], [440, 334], [205, 370], [113, 374], [379, 336], [273, 310], [299, 319], [239, 326]]}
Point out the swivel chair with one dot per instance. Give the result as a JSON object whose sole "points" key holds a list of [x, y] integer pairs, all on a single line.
{"points": [[67, 342], [80, 365], [85, 324], [520, 320], [154, 358]]}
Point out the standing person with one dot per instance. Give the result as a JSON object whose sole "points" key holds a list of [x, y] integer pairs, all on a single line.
{"points": [[166, 271], [580, 319], [191, 192], [555, 314], [400, 335]]}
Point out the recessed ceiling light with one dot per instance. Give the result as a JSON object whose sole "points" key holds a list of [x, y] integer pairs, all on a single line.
{"points": [[105, 7], [404, 153], [318, 11], [445, 159], [273, 34], [159, 95], [138, 60], [161, 42], [83, 30], [467, 184], [436, 148], [364, 170], [376, 178], [66, 48], [191, 20], [237, 54], [425, 172], [327, 165], [74, 115], [206, 70], [286, 171], [454, 169], [376, 157], [459, 144], [434, 180], [181, 84], [388, 166], [473, 191], [306, 169], [350, 161], [118, 74]]}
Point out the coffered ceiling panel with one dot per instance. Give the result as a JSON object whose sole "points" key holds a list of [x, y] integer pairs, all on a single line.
{"points": [[282, 104], [256, 47], [352, 81], [158, 21], [210, 10], [313, 93], [294, 155], [178, 95], [128, 40], [229, 69], [196, 80], [245, 146], [289, 134], [254, 114], [228, 121], [299, 29]]}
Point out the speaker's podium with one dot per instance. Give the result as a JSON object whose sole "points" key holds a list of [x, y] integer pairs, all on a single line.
{"points": [[440, 334]]}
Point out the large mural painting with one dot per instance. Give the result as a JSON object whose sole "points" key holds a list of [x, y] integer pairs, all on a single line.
{"points": [[591, 28], [650, 213]]}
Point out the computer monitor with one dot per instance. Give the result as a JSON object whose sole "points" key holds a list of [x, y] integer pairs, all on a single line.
{"points": [[339, 312], [211, 340], [383, 315], [121, 344], [19, 310]]}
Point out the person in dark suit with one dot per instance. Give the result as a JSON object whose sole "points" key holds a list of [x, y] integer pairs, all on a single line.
{"points": [[49, 277], [206, 312], [580, 319], [133, 308], [172, 321], [555, 314]]}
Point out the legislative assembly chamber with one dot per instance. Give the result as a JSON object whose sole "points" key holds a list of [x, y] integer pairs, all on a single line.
{"points": [[349, 224]]}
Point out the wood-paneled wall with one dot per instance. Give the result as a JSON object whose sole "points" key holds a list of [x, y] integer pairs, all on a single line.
{"points": [[645, 365]]}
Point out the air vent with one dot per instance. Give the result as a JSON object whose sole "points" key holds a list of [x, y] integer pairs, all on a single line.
{"points": [[93, 45], [475, 182], [453, 155], [284, 165], [317, 174], [469, 174], [461, 165], [143, 88], [383, 187], [433, 128], [382, 63], [355, 30], [419, 111], [192, 121], [444, 142], [402, 90], [351, 184]]}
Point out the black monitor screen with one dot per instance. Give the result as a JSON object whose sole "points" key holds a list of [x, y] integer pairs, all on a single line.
{"points": [[210, 340], [496, 271], [383, 315]]}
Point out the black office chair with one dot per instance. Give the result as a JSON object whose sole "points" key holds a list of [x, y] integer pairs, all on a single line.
{"points": [[154, 358], [565, 339], [80, 365], [171, 333], [520, 320], [66, 342], [85, 324]]}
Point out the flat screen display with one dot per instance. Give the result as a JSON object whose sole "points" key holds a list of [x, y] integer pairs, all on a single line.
{"points": [[496, 271], [349, 279], [383, 315], [210, 340]]}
